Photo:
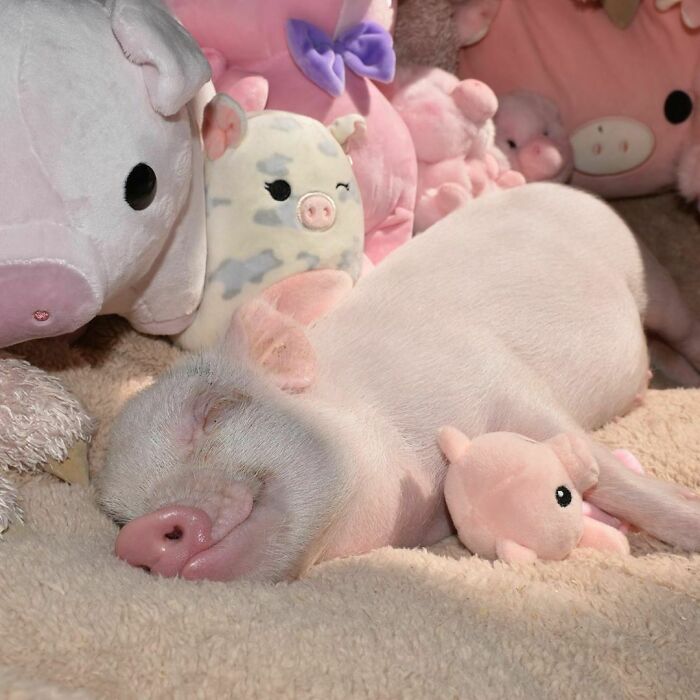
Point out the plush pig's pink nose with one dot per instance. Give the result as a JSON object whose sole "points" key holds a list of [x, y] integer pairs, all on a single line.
{"points": [[164, 541], [317, 212], [540, 160]]}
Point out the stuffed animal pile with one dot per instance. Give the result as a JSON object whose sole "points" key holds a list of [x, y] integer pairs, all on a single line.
{"points": [[316, 150]]}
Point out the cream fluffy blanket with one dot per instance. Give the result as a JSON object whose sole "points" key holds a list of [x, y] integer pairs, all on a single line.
{"points": [[78, 623]]}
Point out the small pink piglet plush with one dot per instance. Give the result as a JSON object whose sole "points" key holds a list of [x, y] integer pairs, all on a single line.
{"points": [[519, 500], [530, 132]]}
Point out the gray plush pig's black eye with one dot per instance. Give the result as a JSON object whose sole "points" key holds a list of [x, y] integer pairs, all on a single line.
{"points": [[141, 187], [280, 190], [563, 496]]}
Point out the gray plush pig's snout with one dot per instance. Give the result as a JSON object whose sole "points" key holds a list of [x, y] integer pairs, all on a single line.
{"points": [[50, 284]]}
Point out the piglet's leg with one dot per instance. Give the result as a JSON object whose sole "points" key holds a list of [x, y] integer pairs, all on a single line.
{"points": [[676, 348], [667, 511]]}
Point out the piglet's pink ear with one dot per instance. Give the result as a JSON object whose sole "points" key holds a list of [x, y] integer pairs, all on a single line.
{"points": [[224, 126], [577, 458], [276, 343], [308, 296]]}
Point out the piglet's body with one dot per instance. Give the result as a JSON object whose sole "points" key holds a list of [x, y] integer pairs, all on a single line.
{"points": [[498, 318]]}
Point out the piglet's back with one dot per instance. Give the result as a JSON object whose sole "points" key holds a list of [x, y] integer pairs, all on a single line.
{"points": [[473, 294]]}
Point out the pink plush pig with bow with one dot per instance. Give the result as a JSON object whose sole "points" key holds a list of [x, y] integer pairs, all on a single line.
{"points": [[320, 59], [627, 97], [520, 500], [451, 122]]}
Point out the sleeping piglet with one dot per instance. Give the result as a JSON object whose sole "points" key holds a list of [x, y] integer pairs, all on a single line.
{"points": [[311, 432]]}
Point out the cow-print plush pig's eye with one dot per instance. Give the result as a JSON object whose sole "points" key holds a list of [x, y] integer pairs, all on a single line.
{"points": [[140, 188], [563, 496], [678, 107], [280, 190], [511, 144]]}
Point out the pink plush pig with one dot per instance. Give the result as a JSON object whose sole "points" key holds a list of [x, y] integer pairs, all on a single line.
{"points": [[457, 161], [529, 131], [516, 499], [627, 97], [319, 59]]}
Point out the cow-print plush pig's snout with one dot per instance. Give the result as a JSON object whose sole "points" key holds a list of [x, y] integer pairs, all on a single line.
{"points": [[316, 211]]}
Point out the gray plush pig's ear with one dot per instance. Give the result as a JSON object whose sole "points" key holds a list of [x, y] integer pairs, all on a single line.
{"points": [[174, 68]]}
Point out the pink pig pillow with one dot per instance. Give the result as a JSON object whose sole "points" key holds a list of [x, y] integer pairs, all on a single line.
{"points": [[628, 98]]}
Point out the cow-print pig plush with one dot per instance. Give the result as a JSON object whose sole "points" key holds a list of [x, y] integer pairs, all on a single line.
{"points": [[281, 200]]}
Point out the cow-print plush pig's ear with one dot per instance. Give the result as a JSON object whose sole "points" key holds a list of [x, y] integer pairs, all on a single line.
{"points": [[577, 458], [174, 68], [348, 129], [224, 126]]}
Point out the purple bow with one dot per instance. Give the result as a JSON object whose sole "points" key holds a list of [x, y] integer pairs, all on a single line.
{"points": [[367, 49]]}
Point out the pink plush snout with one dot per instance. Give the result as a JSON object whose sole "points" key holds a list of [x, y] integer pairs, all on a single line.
{"points": [[316, 212], [476, 100], [164, 541], [43, 299], [540, 160]]}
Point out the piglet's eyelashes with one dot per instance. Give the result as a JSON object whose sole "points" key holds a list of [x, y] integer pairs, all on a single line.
{"points": [[345, 185]]}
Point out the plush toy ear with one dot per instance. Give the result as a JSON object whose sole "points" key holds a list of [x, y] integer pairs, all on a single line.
{"points": [[308, 296], [453, 443], [348, 129], [174, 68], [224, 126], [474, 20], [276, 343], [577, 458]]}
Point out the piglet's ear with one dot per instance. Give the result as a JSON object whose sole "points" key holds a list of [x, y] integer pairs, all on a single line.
{"points": [[276, 343], [453, 443], [577, 458], [174, 68], [224, 126], [309, 296], [349, 129]]}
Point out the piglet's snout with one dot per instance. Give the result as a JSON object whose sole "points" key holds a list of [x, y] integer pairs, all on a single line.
{"points": [[164, 541], [316, 212]]}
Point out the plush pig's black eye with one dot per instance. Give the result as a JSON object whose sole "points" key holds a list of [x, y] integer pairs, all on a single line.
{"points": [[280, 190], [678, 107], [140, 188], [563, 496]]}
